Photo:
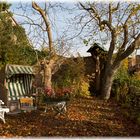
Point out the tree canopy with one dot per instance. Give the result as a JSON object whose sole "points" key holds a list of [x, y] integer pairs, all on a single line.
{"points": [[118, 24], [15, 47]]}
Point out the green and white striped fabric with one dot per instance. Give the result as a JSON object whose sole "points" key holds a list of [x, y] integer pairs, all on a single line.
{"points": [[19, 81], [17, 69]]}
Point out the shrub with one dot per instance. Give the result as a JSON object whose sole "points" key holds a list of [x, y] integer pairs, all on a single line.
{"points": [[81, 89], [84, 89], [71, 75], [120, 86], [126, 88], [57, 94]]}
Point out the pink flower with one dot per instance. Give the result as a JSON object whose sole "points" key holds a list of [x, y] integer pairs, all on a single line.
{"points": [[63, 91], [48, 91]]}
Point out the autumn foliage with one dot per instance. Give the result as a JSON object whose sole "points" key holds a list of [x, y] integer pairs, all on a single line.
{"points": [[84, 118]]}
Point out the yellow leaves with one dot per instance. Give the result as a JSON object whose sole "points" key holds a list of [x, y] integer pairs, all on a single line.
{"points": [[125, 64], [133, 12], [102, 27], [8, 135], [85, 117], [77, 117], [119, 29], [135, 9], [84, 89]]}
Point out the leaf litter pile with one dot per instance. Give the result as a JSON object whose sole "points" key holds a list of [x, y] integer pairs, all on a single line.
{"points": [[84, 117]]}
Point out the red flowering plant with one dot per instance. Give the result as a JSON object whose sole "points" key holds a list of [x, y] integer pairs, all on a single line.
{"points": [[60, 94], [63, 93], [48, 91], [48, 94]]}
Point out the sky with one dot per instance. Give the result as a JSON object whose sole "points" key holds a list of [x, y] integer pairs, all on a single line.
{"points": [[62, 20]]}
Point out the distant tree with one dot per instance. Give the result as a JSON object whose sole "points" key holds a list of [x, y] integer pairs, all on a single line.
{"points": [[14, 45], [119, 24]]}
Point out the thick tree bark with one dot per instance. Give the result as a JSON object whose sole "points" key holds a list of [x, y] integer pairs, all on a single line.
{"points": [[106, 83], [47, 76], [97, 75]]}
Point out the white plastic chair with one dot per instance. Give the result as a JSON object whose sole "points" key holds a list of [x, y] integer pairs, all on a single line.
{"points": [[3, 111]]}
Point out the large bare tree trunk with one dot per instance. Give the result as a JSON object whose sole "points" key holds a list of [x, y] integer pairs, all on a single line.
{"points": [[48, 64], [47, 76], [97, 74], [106, 83], [106, 87]]}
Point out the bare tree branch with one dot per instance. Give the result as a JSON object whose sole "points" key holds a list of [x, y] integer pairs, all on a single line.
{"points": [[110, 13], [131, 48], [47, 23], [93, 10], [125, 28], [135, 44], [101, 22]]}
